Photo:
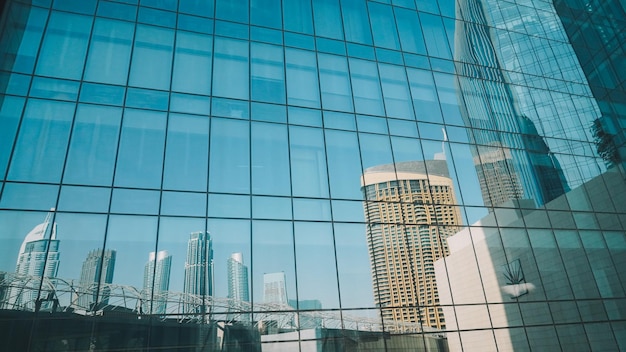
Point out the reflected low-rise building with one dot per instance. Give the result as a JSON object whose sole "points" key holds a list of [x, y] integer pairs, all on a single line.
{"points": [[552, 287]]}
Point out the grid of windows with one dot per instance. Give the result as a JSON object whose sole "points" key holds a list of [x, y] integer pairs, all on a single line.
{"points": [[408, 173]]}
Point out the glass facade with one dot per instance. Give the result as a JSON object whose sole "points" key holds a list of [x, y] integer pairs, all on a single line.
{"points": [[312, 175]]}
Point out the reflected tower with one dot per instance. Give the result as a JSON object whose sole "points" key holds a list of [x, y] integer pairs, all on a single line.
{"points": [[512, 159], [237, 278], [275, 288], [39, 256], [97, 267], [199, 267], [156, 282], [410, 211]]}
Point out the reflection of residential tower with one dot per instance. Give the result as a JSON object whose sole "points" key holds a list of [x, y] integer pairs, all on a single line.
{"points": [[237, 278], [199, 267], [409, 211], [39, 256], [97, 267], [156, 282], [275, 288]]}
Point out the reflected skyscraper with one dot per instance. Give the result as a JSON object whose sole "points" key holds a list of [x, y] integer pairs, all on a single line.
{"points": [[275, 288], [512, 159], [410, 210], [156, 282], [237, 278], [98, 266], [199, 267], [38, 256]]}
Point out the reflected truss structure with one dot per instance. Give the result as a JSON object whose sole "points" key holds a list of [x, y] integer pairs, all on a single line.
{"points": [[59, 295]]}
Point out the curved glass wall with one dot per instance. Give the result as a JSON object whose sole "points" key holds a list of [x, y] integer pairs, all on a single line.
{"points": [[325, 175]]}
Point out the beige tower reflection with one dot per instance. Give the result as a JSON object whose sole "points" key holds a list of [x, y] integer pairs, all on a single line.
{"points": [[410, 211]]}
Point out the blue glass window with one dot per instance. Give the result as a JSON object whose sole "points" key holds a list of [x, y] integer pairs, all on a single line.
{"points": [[302, 84], [229, 168], [152, 58], [91, 157], [366, 87], [335, 83], [48, 122], [140, 156], [327, 15], [187, 152], [267, 73], [230, 74], [65, 46], [192, 63], [109, 53], [383, 28], [298, 16]]}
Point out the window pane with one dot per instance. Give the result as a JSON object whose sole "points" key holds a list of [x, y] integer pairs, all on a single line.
{"points": [[308, 162], [186, 155], [10, 115], [45, 123], [192, 63], [303, 88], [266, 13], [140, 156], [230, 156], [65, 45], [270, 159], [396, 92], [230, 75], [327, 17], [335, 83], [366, 87], [268, 75], [383, 26], [94, 144], [297, 16], [152, 58], [109, 52]]}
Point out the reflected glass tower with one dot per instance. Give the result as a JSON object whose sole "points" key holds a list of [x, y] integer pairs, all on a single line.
{"points": [[39, 256], [237, 278], [410, 211], [156, 282], [275, 288], [199, 268], [97, 267], [512, 159]]}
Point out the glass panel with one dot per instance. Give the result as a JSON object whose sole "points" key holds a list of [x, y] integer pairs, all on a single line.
{"points": [[270, 159], [267, 73], [410, 31], [152, 58], [366, 87], [344, 164], [140, 155], [230, 156], [109, 52], [186, 154], [327, 15], [353, 263], [355, 22], [302, 84], [396, 92], [315, 261], [266, 13], [297, 16], [192, 63], [46, 123], [230, 74], [308, 162], [335, 83], [10, 115], [232, 10], [64, 46], [91, 158], [383, 26]]}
